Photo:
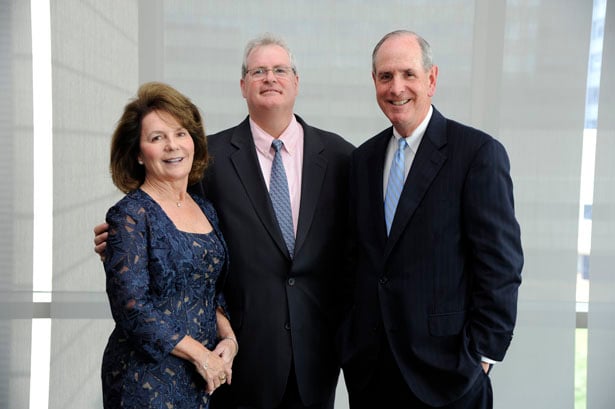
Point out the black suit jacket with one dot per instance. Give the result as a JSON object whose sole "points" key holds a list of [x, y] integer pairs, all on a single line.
{"points": [[443, 286], [281, 309]]}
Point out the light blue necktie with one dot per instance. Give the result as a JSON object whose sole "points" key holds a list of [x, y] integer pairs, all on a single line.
{"points": [[395, 184], [280, 198]]}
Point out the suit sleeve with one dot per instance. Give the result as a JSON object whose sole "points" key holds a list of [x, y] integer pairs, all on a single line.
{"points": [[496, 257]]}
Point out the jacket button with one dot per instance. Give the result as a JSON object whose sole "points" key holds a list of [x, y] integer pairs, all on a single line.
{"points": [[287, 326], [291, 281], [383, 280]]}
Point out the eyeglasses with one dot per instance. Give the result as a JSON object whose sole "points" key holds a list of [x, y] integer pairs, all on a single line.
{"points": [[260, 73]]}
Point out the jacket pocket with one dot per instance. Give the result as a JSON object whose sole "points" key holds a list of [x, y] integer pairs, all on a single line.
{"points": [[444, 324]]}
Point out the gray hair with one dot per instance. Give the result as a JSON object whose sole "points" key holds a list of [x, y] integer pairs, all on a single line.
{"points": [[264, 40], [425, 47]]}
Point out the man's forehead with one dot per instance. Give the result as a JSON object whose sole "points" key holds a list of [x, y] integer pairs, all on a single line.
{"points": [[398, 67], [268, 50]]}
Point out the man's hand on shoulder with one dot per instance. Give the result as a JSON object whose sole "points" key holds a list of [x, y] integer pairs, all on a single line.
{"points": [[101, 232]]}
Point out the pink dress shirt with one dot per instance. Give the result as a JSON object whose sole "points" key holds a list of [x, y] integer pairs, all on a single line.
{"points": [[292, 157]]}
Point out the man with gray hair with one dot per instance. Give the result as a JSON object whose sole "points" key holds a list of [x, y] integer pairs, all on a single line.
{"points": [[438, 251], [283, 243]]}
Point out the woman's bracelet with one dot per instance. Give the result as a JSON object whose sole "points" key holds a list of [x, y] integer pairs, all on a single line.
{"points": [[235, 341]]}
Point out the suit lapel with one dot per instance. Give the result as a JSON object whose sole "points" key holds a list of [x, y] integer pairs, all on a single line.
{"points": [[248, 170], [312, 177], [374, 166], [426, 165]]}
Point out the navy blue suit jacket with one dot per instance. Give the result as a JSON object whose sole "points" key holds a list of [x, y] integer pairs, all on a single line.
{"points": [[443, 286], [281, 309]]}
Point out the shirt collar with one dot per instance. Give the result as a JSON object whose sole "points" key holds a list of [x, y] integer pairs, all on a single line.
{"points": [[414, 139], [263, 140]]}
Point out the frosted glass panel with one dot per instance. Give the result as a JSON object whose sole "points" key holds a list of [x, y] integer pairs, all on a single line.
{"points": [[544, 64], [95, 51], [16, 307], [601, 316], [332, 43]]}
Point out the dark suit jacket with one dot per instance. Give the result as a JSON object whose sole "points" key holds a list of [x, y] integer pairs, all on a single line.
{"points": [[281, 309], [443, 286]]}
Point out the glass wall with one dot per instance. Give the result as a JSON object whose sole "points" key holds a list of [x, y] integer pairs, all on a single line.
{"points": [[515, 68], [601, 324]]}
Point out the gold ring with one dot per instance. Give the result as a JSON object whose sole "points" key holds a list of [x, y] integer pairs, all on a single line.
{"points": [[222, 378]]}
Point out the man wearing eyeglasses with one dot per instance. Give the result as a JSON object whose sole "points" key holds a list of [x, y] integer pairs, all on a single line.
{"points": [[281, 290]]}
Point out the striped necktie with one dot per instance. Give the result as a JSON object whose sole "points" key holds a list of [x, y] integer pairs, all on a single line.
{"points": [[395, 184]]}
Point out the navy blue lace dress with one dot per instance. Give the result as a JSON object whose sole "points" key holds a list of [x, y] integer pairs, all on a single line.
{"points": [[162, 285]]}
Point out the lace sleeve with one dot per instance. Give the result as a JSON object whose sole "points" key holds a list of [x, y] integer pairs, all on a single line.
{"points": [[147, 326]]}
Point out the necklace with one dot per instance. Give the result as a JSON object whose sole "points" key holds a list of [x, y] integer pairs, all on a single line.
{"points": [[164, 197]]}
